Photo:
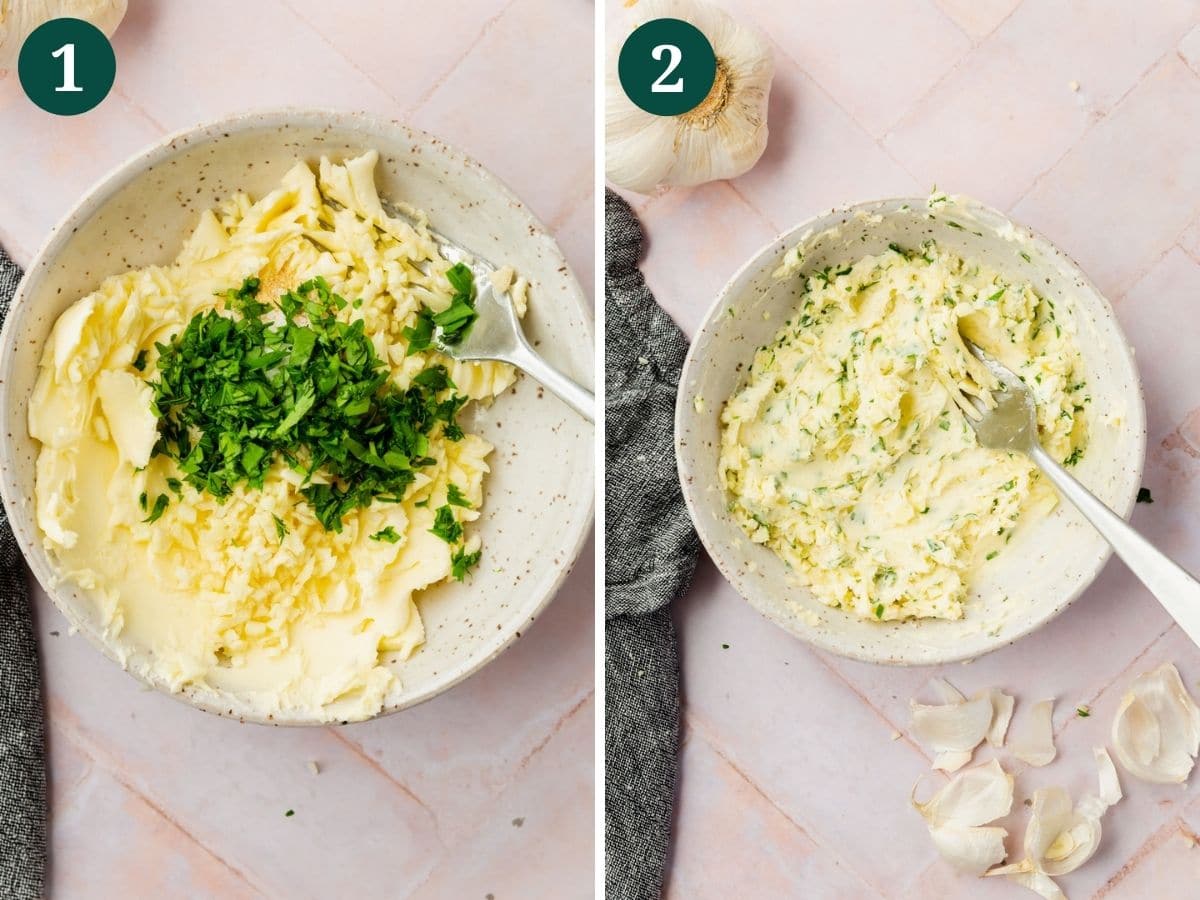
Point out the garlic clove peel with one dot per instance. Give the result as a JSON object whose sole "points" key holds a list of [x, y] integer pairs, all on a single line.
{"points": [[1034, 743], [956, 813], [952, 730], [1156, 732], [1002, 710]]}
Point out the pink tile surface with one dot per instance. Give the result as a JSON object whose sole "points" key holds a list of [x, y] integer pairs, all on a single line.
{"points": [[153, 799], [801, 744]]}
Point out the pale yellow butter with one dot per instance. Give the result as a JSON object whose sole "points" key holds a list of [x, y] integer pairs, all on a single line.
{"points": [[302, 626], [846, 450]]}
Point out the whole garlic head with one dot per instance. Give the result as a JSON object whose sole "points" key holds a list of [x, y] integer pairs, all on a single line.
{"points": [[721, 138], [18, 19]]}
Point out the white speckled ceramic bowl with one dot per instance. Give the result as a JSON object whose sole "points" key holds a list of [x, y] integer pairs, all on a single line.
{"points": [[1048, 564], [538, 498]]}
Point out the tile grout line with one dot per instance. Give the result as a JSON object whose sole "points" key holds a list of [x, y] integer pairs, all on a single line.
{"points": [[1093, 698], [936, 4], [1194, 257], [463, 841], [1103, 116], [696, 724], [574, 201], [1152, 843], [300, 17], [983, 37], [99, 757], [878, 141], [871, 706], [1187, 63], [358, 750], [428, 93], [137, 108], [762, 217]]}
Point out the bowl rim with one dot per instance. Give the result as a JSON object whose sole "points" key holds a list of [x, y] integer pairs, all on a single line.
{"points": [[815, 637], [99, 193]]}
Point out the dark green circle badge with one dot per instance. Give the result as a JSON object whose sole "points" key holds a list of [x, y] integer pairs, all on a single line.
{"points": [[667, 67], [67, 66]]}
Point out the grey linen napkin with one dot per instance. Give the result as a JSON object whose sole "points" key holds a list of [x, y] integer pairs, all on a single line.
{"points": [[22, 738], [650, 549]]}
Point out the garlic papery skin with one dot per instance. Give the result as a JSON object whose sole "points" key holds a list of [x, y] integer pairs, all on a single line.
{"points": [[1034, 743], [720, 138], [956, 813], [18, 19], [1156, 733], [1060, 837], [953, 730]]}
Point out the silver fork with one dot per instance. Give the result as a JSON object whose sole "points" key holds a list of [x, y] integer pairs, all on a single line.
{"points": [[496, 334], [1012, 425]]}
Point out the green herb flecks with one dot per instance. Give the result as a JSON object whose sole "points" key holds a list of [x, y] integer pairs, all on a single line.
{"points": [[1144, 495], [462, 562], [160, 506], [281, 529], [387, 534], [237, 392], [455, 497], [446, 526], [449, 325]]}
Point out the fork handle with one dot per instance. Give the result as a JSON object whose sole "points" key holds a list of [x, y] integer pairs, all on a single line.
{"points": [[1176, 590], [578, 398]]}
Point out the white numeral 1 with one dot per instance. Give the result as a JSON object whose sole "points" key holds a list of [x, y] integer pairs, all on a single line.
{"points": [[676, 56], [67, 52]]}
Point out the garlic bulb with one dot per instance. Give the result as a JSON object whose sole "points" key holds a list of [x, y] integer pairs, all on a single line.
{"points": [[18, 19], [1156, 733], [721, 138]]}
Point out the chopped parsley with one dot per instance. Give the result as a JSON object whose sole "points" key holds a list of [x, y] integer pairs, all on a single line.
{"points": [[993, 554], [878, 610], [455, 497], [140, 362], [445, 526], [235, 393], [1082, 711], [280, 528], [451, 324], [1144, 495], [290, 813], [160, 506], [387, 534], [462, 562], [1076, 455]]}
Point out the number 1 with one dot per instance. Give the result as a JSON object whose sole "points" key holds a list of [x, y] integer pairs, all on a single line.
{"points": [[67, 52], [676, 57]]}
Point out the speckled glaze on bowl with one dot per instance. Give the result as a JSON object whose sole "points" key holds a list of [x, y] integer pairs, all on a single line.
{"points": [[1049, 562], [538, 498]]}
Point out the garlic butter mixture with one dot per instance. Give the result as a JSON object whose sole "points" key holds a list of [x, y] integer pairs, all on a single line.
{"points": [[252, 456], [847, 451]]}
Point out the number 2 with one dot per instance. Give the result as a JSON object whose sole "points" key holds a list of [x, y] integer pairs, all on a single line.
{"points": [[67, 52], [675, 58]]}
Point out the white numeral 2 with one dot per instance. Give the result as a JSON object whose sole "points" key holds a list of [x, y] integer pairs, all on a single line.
{"points": [[67, 52], [676, 56]]}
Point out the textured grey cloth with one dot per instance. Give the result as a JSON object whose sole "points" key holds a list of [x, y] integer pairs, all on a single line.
{"points": [[22, 739], [650, 554]]}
